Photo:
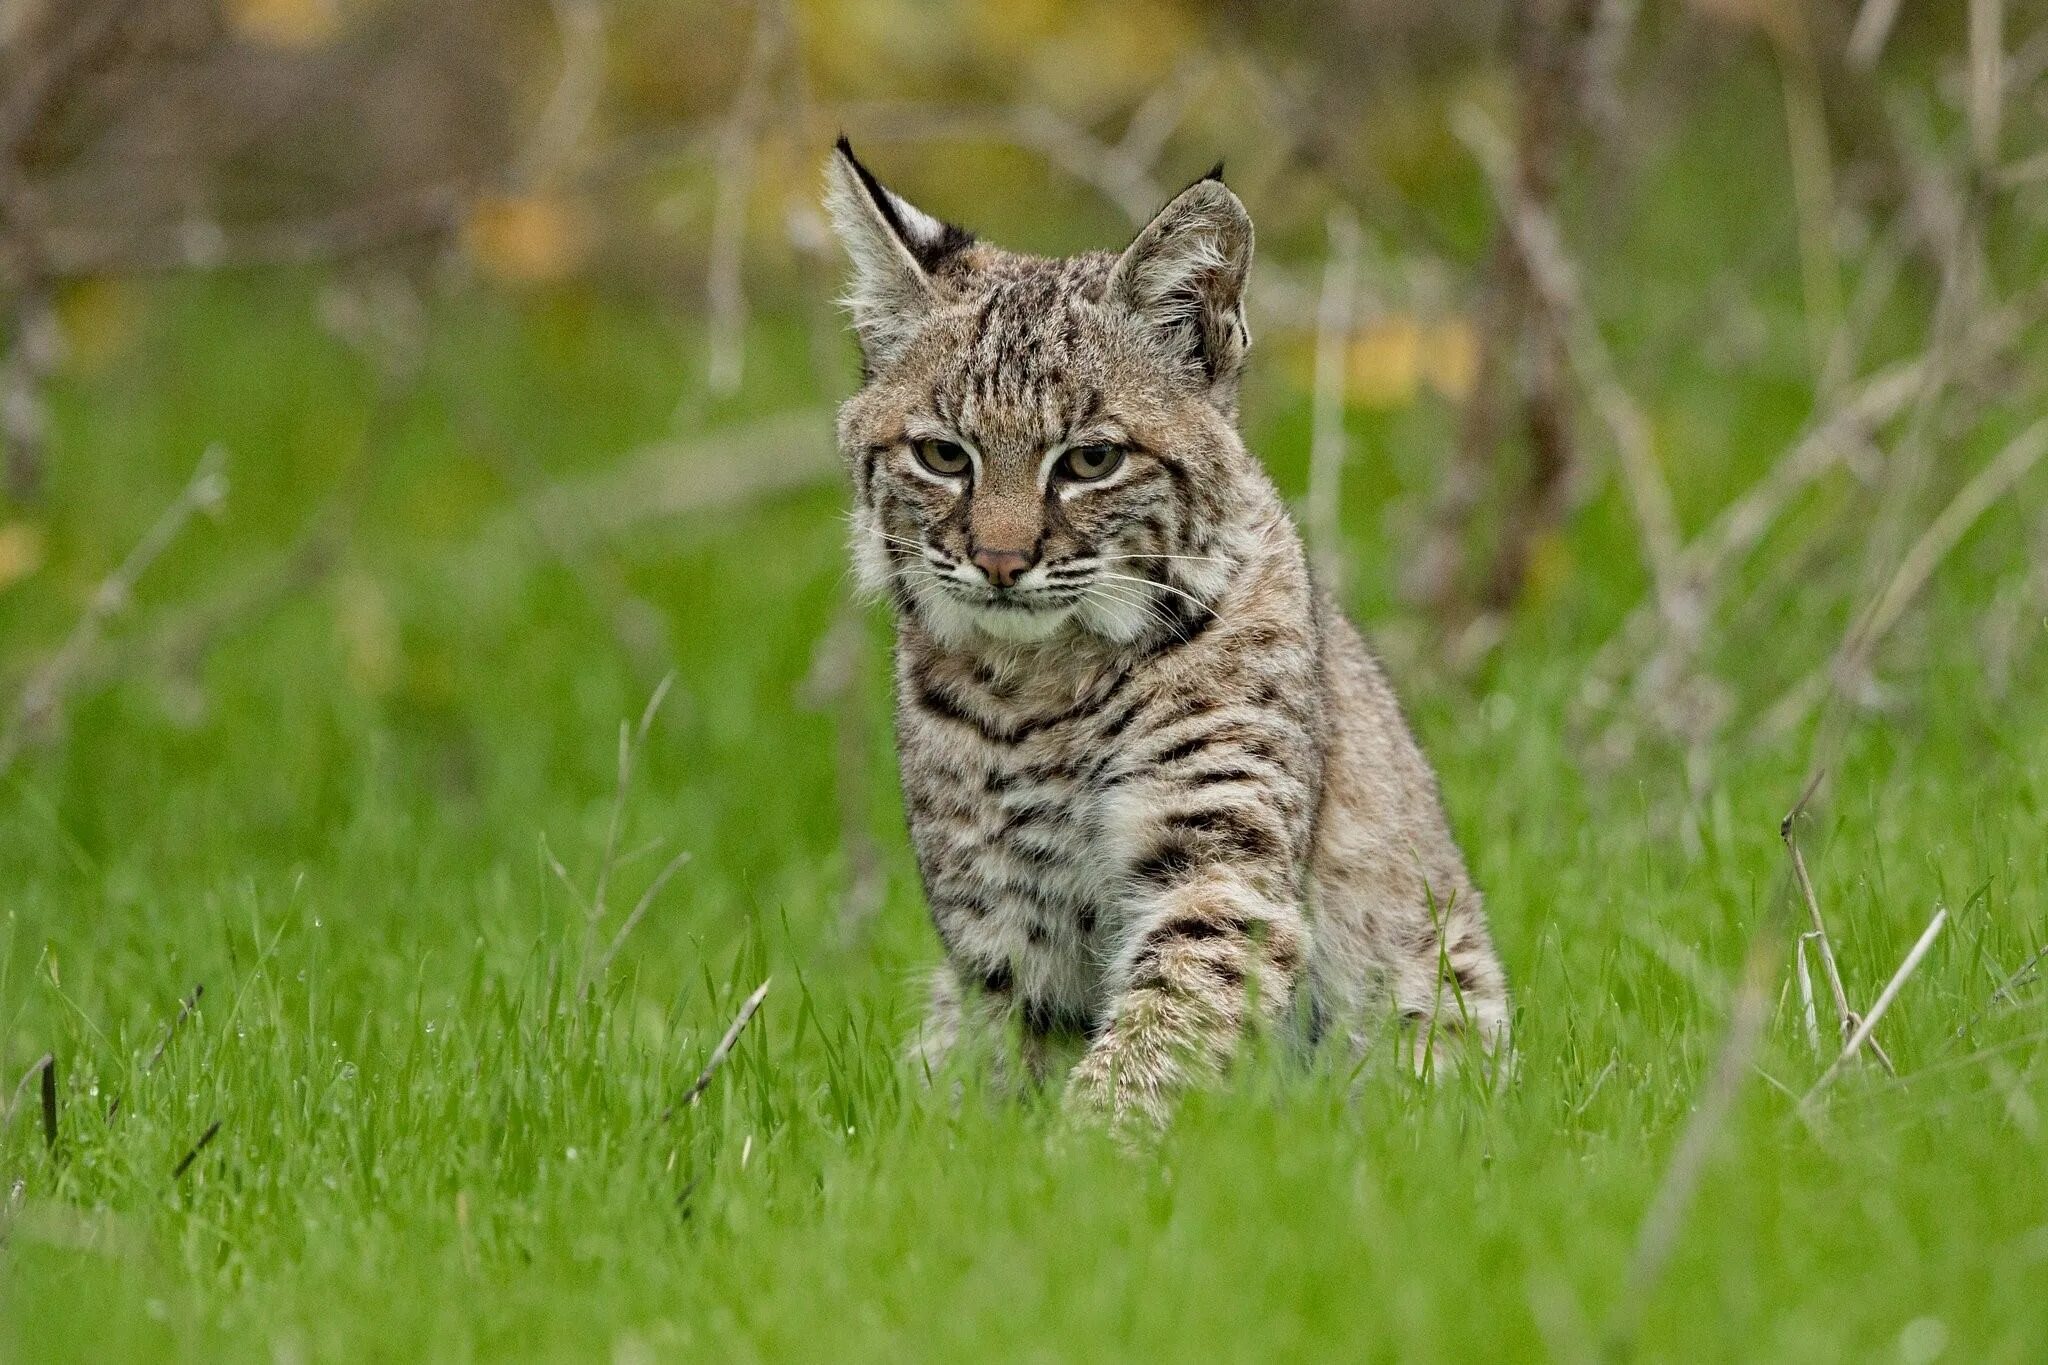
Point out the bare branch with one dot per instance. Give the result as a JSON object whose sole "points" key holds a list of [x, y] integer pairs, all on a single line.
{"points": [[35, 1069], [192, 1153], [1738, 529], [44, 693], [1852, 658], [1844, 1016], [719, 1053], [1541, 248], [572, 106], [38, 91], [640, 628], [714, 474], [1064, 144], [1807, 1014], [724, 297], [31, 358], [75, 249], [1155, 119], [1524, 336], [1873, 25], [1883, 1003], [1987, 78], [1327, 444]]}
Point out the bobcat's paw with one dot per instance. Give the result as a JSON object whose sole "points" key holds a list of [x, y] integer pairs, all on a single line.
{"points": [[1102, 1092]]}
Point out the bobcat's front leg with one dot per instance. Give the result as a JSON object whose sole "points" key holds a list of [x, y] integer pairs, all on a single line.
{"points": [[1206, 958], [961, 1013]]}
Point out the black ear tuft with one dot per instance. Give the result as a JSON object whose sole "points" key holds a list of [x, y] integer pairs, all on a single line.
{"points": [[895, 247], [929, 240], [1215, 172]]}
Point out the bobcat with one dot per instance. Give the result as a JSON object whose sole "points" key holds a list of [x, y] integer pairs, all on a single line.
{"points": [[1159, 790]]}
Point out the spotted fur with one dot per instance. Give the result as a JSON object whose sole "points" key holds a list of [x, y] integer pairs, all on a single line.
{"points": [[1159, 790]]}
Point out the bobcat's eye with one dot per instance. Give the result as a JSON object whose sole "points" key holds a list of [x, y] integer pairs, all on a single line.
{"points": [[944, 458], [1086, 464]]}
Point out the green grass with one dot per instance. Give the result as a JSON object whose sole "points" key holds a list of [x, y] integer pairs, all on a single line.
{"points": [[429, 1145]]}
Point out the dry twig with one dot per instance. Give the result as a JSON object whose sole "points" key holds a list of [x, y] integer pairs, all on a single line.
{"points": [[185, 1009], [1665, 655], [192, 1154], [1524, 335], [1073, 149], [48, 685], [1873, 25], [1844, 1016], [1987, 78], [1807, 1015], [1852, 657], [719, 1053], [35, 1069], [1541, 248], [1878, 1008], [49, 1089], [76, 249], [572, 105], [719, 473]]}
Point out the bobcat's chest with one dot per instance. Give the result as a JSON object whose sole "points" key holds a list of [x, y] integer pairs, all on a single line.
{"points": [[1011, 840]]}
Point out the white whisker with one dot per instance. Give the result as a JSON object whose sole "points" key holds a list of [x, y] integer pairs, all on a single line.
{"points": [[1148, 606], [1168, 587], [1195, 559], [894, 539]]}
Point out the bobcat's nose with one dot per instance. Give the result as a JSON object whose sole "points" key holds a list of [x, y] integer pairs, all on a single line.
{"points": [[1003, 567]]}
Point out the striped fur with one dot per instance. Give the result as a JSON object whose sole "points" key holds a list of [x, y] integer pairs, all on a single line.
{"points": [[1159, 790]]}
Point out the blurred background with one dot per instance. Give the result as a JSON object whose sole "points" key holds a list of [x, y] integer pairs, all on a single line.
{"points": [[392, 392]]}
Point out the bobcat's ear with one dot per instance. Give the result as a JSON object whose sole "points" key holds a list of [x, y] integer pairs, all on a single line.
{"points": [[894, 248], [1184, 276]]}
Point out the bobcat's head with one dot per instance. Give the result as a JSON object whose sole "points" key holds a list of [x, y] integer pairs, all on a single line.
{"points": [[1043, 446]]}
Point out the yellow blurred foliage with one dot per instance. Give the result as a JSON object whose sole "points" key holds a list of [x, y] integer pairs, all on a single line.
{"points": [[21, 552], [1102, 50], [1392, 357], [99, 318], [1009, 31], [1383, 367], [526, 239], [1450, 358], [1068, 55], [285, 23]]}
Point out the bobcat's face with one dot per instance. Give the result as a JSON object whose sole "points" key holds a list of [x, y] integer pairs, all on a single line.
{"points": [[1042, 445]]}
